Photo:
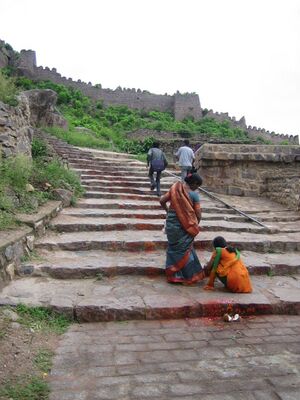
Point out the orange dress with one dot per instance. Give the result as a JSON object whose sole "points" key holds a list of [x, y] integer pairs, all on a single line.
{"points": [[231, 271]]}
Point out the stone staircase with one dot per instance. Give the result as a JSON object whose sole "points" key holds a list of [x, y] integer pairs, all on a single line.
{"points": [[104, 258]]}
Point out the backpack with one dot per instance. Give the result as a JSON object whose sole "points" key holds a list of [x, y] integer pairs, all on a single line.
{"points": [[158, 165]]}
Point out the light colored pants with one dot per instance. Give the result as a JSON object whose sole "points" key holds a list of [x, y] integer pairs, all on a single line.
{"points": [[185, 171]]}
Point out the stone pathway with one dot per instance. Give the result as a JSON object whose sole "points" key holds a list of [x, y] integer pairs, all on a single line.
{"points": [[113, 238], [257, 358], [102, 262]]}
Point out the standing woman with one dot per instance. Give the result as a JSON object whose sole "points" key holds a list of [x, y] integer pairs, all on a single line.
{"points": [[182, 225]]}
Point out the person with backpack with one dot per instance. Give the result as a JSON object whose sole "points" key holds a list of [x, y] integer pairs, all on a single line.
{"points": [[157, 162]]}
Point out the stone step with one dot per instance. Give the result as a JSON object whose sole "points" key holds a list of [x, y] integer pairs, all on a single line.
{"points": [[142, 185], [143, 205], [151, 240], [91, 161], [67, 223], [150, 298], [108, 167], [118, 195], [143, 214], [124, 189], [105, 153], [97, 263], [130, 180], [110, 173]]}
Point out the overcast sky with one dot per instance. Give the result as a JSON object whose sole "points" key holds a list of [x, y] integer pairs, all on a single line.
{"points": [[240, 56]]}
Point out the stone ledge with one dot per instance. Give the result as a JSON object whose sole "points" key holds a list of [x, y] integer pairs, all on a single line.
{"points": [[17, 243]]}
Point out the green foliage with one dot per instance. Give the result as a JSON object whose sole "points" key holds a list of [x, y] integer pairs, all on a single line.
{"points": [[33, 388], [58, 176], [18, 172], [43, 360], [8, 90], [109, 126], [284, 143], [39, 148], [42, 319]]}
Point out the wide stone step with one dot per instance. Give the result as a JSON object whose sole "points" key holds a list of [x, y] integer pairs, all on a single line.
{"points": [[105, 153], [107, 168], [100, 172], [99, 263], [92, 184], [151, 240], [118, 195], [68, 223], [140, 297], [132, 179], [91, 161], [142, 214], [114, 203], [123, 189]]}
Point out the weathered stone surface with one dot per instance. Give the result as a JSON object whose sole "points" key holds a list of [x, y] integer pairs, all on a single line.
{"points": [[63, 195], [140, 360], [42, 103]]}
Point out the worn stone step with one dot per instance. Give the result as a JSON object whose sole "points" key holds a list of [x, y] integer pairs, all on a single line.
{"points": [[143, 214], [79, 161], [140, 297], [67, 223], [117, 195], [97, 263], [151, 240], [128, 179], [124, 189], [95, 203], [141, 185], [106, 154], [112, 173]]}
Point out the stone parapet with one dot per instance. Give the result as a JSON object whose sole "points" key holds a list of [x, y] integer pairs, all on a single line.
{"points": [[245, 170], [15, 244]]}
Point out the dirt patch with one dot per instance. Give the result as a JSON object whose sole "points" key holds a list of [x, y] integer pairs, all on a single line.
{"points": [[20, 348]]}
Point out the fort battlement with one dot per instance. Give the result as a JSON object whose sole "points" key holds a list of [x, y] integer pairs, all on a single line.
{"points": [[180, 105], [252, 131]]}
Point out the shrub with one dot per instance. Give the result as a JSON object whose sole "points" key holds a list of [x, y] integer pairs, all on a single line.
{"points": [[39, 148], [8, 90]]}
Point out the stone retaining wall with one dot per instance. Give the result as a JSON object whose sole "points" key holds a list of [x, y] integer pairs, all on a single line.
{"points": [[285, 191], [251, 170], [16, 244]]}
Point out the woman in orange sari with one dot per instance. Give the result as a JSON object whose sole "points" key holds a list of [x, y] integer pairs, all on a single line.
{"points": [[182, 225], [226, 264]]}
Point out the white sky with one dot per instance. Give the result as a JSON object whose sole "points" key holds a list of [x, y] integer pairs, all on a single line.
{"points": [[240, 56]]}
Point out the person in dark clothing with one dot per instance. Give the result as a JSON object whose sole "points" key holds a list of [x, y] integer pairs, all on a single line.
{"points": [[157, 162]]}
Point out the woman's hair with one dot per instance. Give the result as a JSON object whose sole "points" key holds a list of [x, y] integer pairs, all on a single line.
{"points": [[155, 144], [219, 241], [193, 179]]}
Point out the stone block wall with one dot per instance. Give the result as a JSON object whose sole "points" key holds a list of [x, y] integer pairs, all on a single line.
{"points": [[285, 191], [245, 170]]}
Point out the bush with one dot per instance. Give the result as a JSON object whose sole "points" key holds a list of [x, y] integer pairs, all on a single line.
{"points": [[39, 148], [8, 90]]}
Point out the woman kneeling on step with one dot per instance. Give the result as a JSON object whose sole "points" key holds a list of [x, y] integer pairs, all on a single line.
{"points": [[182, 225], [226, 264]]}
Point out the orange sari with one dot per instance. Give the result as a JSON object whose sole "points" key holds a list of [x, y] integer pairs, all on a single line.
{"points": [[230, 269]]}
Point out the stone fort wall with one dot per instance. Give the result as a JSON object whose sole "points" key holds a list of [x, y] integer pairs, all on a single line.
{"points": [[180, 105]]}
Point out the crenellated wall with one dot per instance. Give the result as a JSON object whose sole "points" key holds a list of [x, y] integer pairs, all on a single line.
{"points": [[180, 105], [253, 131]]}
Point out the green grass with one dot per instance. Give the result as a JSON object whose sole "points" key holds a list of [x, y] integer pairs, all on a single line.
{"points": [[43, 360], [109, 126], [27, 388], [19, 171], [42, 319]]}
